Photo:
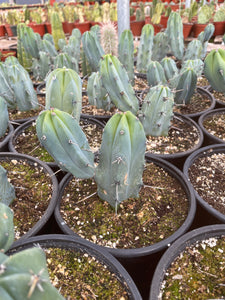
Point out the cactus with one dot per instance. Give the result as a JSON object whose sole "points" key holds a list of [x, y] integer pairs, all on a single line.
{"points": [[145, 48], [92, 49], [24, 275], [204, 37], [57, 29], [7, 191], [126, 53], [157, 111], [85, 67], [116, 81], [174, 31], [21, 85], [169, 67], [6, 229], [109, 40], [97, 94], [24, 58], [193, 50], [155, 74], [105, 12], [6, 91], [4, 117], [96, 30], [121, 160], [64, 91], [49, 48], [160, 46], [214, 69], [196, 64], [42, 66], [73, 46], [63, 138], [48, 37], [186, 86], [64, 60], [205, 14]]}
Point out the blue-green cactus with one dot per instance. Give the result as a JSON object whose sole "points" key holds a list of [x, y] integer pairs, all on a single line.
{"points": [[174, 31], [64, 91], [121, 160], [48, 37], [42, 66], [64, 60], [169, 67], [145, 48], [116, 81], [92, 49], [7, 191], [97, 94], [204, 38], [6, 91], [155, 74], [96, 30], [160, 46], [4, 117], [47, 47], [157, 111], [214, 69], [63, 138], [126, 53], [196, 64], [6, 229], [193, 50]]}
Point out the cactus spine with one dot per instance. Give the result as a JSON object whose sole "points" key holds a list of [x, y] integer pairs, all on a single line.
{"points": [[116, 82], [214, 69], [72, 153], [157, 111], [121, 160], [145, 48], [126, 53], [64, 91], [4, 117]]}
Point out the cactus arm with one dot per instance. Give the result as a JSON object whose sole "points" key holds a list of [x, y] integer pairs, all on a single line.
{"points": [[40, 68], [116, 82], [6, 91], [73, 154], [170, 68], [155, 74], [6, 228], [193, 50], [7, 191], [160, 46], [196, 64], [121, 160], [4, 117]]}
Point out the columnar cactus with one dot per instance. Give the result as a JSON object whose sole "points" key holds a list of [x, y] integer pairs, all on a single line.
{"points": [[116, 81], [145, 48], [92, 49], [126, 53], [155, 74], [6, 91], [193, 50], [196, 64], [160, 46], [4, 117], [47, 47], [6, 229], [174, 31], [63, 138], [57, 29], [7, 191], [170, 68], [157, 111], [24, 58], [97, 94], [121, 160], [186, 86], [64, 60], [42, 66], [109, 39], [64, 91], [214, 69], [205, 36]]}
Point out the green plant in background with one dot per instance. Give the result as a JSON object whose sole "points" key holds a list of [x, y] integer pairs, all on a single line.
{"points": [[15, 16], [121, 159], [140, 13], [113, 11], [109, 38], [37, 15], [4, 117], [219, 15], [69, 13], [57, 29], [205, 13], [157, 12], [24, 57], [188, 13], [214, 69]]}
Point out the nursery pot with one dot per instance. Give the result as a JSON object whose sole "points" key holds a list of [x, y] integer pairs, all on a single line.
{"points": [[209, 208], [26, 201], [4, 140], [38, 28], [73, 245], [136, 27], [187, 27], [85, 26], [68, 27], [219, 97], [183, 243], [198, 28], [2, 30], [212, 137], [11, 30], [140, 262], [219, 28]]}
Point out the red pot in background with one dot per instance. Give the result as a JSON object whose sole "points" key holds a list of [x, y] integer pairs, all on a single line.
{"points": [[187, 27], [198, 28], [38, 28], [2, 30], [48, 28], [136, 27], [219, 28], [85, 26], [11, 30], [68, 27], [5, 53], [164, 20]]}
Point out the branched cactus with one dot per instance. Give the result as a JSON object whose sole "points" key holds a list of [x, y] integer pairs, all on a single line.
{"points": [[47, 47], [7, 191], [42, 66], [121, 160], [174, 31], [155, 74], [92, 49], [116, 81], [97, 94], [157, 111], [169, 67], [73, 46], [4, 117], [193, 50], [214, 69], [160, 46], [145, 48], [196, 64], [57, 29], [126, 52], [204, 38], [6, 230], [63, 138], [64, 91], [109, 38]]}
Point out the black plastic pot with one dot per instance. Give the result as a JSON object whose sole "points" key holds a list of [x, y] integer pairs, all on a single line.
{"points": [[209, 138], [76, 244], [206, 212], [41, 226], [179, 158], [219, 103], [179, 246], [140, 262], [5, 140]]}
